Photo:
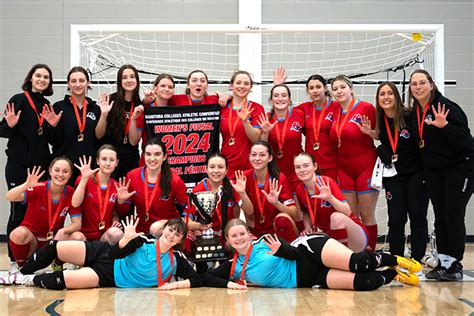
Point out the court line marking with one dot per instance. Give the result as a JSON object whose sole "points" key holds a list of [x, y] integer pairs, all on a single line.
{"points": [[50, 309]]}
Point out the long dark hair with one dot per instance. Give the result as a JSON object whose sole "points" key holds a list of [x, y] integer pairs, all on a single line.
{"points": [[165, 179], [180, 226], [226, 186], [412, 101], [273, 169], [399, 108], [116, 117], [27, 85], [81, 70], [323, 82]]}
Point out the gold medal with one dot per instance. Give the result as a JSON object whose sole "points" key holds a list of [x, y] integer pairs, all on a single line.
{"points": [[262, 219], [231, 141], [422, 143], [339, 143], [101, 225], [316, 146], [80, 137], [280, 154], [50, 235], [125, 140], [394, 157], [147, 217], [40, 131]]}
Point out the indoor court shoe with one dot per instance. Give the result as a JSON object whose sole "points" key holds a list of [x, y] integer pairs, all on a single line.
{"points": [[409, 264], [454, 272], [56, 267], [23, 279], [407, 278], [437, 273], [5, 278]]}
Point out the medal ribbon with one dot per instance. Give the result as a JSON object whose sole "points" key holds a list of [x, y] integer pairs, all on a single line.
{"points": [[233, 124], [281, 136], [149, 199], [421, 122], [393, 143], [339, 126], [317, 125], [127, 126], [32, 105], [52, 218], [158, 264], [244, 266], [102, 203], [260, 197], [80, 124], [312, 210]]}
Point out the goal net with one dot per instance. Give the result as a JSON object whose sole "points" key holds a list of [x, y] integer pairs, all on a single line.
{"points": [[369, 54]]}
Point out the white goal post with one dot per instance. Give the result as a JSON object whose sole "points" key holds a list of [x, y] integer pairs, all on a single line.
{"points": [[369, 53]]}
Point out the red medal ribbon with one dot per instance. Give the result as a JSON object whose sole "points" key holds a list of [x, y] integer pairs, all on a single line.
{"points": [[32, 105], [53, 217], [80, 123], [218, 209], [393, 143], [317, 125], [421, 122], [158, 264], [102, 203], [281, 136], [233, 124], [244, 266], [260, 197], [339, 126], [312, 210], [148, 199], [127, 126]]}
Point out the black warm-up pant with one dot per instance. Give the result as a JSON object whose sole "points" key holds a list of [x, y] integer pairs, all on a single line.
{"points": [[450, 190], [407, 195]]}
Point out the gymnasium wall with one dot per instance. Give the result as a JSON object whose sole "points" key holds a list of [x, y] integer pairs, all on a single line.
{"points": [[39, 31]]}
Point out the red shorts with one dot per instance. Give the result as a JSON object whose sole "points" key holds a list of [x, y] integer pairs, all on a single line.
{"points": [[329, 172], [355, 181]]}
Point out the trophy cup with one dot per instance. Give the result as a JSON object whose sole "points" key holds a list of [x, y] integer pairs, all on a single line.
{"points": [[208, 245]]}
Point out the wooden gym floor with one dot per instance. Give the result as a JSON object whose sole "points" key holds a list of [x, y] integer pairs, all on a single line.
{"points": [[430, 298]]}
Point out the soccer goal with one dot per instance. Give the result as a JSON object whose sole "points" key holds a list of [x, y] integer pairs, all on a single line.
{"points": [[368, 54]]}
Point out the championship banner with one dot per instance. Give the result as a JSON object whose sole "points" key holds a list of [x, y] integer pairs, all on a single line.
{"points": [[190, 134]]}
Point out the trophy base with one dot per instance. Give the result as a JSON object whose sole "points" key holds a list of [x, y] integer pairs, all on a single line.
{"points": [[209, 250]]}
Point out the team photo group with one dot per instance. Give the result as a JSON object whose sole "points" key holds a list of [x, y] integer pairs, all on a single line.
{"points": [[290, 195]]}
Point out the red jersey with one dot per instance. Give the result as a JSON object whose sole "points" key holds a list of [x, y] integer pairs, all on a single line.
{"points": [[237, 155], [326, 154], [184, 100], [162, 207], [291, 145], [90, 208], [324, 209], [264, 222], [205, 186], [140, 123], [37, 219], [357, 150]]}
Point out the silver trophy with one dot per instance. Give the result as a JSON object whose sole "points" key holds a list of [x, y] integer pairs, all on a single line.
{"points": [[208, 245]]}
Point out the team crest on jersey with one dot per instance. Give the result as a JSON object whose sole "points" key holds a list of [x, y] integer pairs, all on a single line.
{"points": [[325, 204], [91, 115], [329, 117], [42, 209], [127, 115], [405, 134], [89, 195], [296, 127], [356, 118], [429, 118], [113, 198], [164, 197], [64, 211], [388, 195]]}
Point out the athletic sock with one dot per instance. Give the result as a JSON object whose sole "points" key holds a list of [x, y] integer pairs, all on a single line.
{"points": [[369, 261], [41, 258], [20, 252], [372, 236], [339, 234], [368, 281], [284, 229], [52, 281]]}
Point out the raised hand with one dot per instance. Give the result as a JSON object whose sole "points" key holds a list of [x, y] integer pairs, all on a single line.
{"points": [[136, 112], [130, 227], [272, 196], [223, 99], [122, 190], [32, 179], [50, 116], [365, 126], [324, 189], [440, 116], [149, 96], [240, 182], [279, 76], [273, 243], [244, 112], [10, 116], [265, 124], [104, 105], [85, 167]]}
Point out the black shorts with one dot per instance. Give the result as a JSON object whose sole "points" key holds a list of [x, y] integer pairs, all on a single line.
{"points": [[309, 267], [97, 258]]}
